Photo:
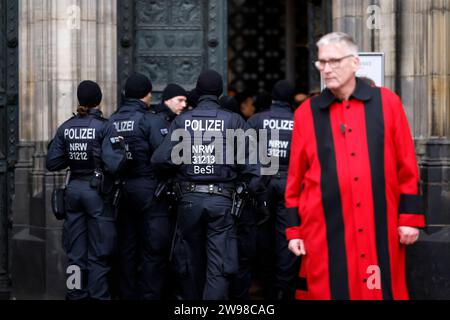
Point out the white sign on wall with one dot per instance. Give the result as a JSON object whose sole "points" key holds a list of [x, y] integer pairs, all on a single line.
{"points": [[372, 67]]}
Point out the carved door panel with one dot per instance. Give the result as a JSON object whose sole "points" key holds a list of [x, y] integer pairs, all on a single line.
{"points": [[171, 40]]}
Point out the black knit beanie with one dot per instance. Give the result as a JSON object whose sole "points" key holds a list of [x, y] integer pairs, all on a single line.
{"points": [[173, 90], [89, 94], [209, 83], [138, 86], [283, 91]]}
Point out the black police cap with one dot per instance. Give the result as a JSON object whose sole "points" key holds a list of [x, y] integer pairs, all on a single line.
{"points": [[89, 94], [209, 83], [137, 86], [173, 90], [283, 91]]}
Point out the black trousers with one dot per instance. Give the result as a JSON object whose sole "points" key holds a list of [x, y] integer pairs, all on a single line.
{"points": [[89, 239], [144, 241], [247, 231], [287, 265], [205, 251], [263, 250]]}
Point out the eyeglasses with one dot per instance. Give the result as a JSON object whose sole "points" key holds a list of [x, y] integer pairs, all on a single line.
{"points": [[334, 63]]}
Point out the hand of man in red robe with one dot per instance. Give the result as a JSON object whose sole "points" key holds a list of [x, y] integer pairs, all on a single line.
{"points": [[408, 235], [297, 247]]}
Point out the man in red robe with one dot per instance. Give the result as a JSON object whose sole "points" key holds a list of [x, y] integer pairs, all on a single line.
{"points": [[353, 185]]}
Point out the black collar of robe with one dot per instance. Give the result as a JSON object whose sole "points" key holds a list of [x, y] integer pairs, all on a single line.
{"points": [[362, 92]]}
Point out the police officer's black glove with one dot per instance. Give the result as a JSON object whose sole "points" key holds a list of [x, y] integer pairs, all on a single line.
{"points": [[258, 189]]}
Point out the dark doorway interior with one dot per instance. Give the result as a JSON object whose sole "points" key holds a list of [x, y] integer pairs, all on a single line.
{"points": [[256, 42], [273, 40], [300, 50]]}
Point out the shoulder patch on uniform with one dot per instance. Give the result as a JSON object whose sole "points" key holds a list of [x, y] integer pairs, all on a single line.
{"points": [[116, 142], [164, 131]]}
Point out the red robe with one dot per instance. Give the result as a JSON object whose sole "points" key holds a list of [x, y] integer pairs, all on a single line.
{"points": [[353, 180]]}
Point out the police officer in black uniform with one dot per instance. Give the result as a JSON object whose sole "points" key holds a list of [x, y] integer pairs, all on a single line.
{"points": [[92, 149], [139, 234], [246, 233], [205, 250], [163, 206], [280, 117], [174, 101]]}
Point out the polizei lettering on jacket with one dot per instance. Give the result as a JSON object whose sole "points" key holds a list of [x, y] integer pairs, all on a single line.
{"points": [[124, 126], [78, 150], [79, 134], [277, 124], [278, 148], [204, 125], [203, 159]]}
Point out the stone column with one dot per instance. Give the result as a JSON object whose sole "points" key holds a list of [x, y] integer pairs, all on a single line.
{"points": [[425, 91], [61, 43], [415, 69], [384, 34], [372, 24], [350, 16]]}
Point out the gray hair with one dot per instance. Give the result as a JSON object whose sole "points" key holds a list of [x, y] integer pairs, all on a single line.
{"points": [[339, 37]]}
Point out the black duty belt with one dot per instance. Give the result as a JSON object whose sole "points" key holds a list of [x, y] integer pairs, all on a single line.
{"points": [[82, 176], [207, 188], [137, 176]]}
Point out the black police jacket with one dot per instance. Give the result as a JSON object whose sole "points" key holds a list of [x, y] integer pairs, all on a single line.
{"points": [[139, 127], [202, 133], [165, 116], [164, 119], [280, 118], [84, 144]]}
